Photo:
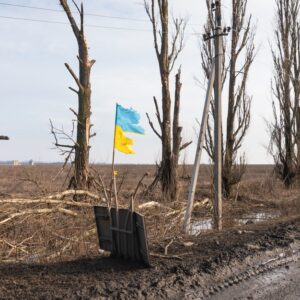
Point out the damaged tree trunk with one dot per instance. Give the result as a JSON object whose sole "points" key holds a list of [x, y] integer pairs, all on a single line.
{"points": [[177, 130], [83, 115], [170, 131], [3, 137]]}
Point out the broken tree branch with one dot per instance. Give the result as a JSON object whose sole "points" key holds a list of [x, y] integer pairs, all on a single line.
{"points": [[73, 75], [152, 126]]}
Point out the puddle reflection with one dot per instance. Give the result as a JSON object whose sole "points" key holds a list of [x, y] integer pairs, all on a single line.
{"points": [[205, 224], [201, 225], [256, 218]]}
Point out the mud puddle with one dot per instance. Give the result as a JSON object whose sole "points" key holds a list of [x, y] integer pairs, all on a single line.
{"points": [[201, 226], [256, 218], [206, 224]]}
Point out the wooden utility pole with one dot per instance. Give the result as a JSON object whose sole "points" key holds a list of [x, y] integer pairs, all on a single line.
{"points": [[218, 118]]}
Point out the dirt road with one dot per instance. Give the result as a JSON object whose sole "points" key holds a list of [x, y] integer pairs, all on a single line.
{"points": [[282, 283]]}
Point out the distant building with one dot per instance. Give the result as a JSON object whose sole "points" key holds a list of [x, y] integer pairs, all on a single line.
{"points": [[16, 163], [31, 163]]}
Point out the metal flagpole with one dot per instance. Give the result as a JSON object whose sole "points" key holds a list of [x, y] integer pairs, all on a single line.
{"points": [[193, 184], [113, 186], [113, 176]]}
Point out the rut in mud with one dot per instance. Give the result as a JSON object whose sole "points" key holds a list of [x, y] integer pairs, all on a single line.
{"points": [[279, 284]]}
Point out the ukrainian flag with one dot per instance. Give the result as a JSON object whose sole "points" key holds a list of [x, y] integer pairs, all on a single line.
{"points": [[127, 120]]}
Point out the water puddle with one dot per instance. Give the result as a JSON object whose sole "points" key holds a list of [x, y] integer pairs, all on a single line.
{"points": [[201, 226], [205, 224], [256, 218]]}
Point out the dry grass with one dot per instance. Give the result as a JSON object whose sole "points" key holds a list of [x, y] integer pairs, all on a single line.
{"points": [[59, 230]]}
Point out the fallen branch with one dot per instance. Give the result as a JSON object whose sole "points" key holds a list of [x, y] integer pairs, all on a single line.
{"points": [[65, 248], [166, 256], [46, 201], [39, 211], [73, 192], [16, 247], [152, 205], [168, 245]]}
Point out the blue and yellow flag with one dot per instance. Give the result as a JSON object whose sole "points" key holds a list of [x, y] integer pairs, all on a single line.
{"points": [[127, 120]]}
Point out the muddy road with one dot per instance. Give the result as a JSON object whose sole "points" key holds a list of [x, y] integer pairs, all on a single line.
{"points": [[279, 284]]}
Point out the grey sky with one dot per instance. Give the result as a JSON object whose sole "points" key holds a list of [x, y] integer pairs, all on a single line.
{"points": [[34, 82]]}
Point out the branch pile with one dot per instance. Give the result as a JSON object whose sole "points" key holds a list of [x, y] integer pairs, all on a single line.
{"points": [[54, 226]]}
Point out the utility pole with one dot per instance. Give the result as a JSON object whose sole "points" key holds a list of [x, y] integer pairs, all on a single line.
{"points": [[218, 119], [215, 81]]}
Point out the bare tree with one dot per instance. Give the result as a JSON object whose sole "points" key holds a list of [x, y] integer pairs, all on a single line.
{"points": [[167, 48], [80, 147], [241, 52], [284, 130]]}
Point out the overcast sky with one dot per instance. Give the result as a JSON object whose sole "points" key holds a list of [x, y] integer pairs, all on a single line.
{"points": [[34, 82]]}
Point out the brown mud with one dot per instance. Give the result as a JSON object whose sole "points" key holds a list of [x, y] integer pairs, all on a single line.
{"points": [[279, 284], [187, 271]]}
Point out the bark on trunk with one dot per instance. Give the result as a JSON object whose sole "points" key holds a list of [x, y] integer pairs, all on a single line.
{"points": [[288, 165], [228, 159], [167, 50], [285, 86], [298, 142], [177, 140], [82, 147], [84, 117], [166, 165], [239, 103]]}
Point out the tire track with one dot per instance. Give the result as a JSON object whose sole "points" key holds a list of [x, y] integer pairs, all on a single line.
{"points": [[267, 266]]}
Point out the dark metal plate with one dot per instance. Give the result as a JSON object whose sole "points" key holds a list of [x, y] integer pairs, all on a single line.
{"points": [[126, 237]]}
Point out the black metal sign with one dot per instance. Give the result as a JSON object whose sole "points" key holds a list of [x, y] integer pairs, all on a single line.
{"points": [[123, 233]]}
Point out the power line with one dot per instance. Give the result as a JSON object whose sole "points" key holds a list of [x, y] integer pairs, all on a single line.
{"points": [[61, 11], [87, 14], [65, 23], [91, 26]]}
